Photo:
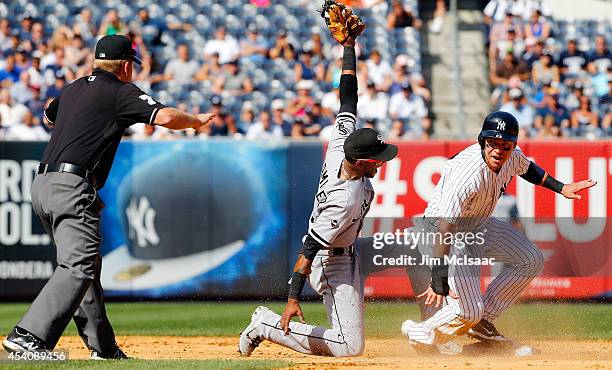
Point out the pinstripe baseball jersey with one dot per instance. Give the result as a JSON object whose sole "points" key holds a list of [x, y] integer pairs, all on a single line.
{"points": [[340, 205], [468, 190]]}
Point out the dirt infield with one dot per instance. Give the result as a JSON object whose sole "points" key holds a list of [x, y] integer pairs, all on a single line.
{"points": [[380, 353]]}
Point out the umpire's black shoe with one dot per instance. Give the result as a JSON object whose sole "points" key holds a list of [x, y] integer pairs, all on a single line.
{"points": [[20, 340], [485, 331], [113, 355]]}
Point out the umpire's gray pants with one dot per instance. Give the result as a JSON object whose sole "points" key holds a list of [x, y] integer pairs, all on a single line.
{"points": [[69, 209]]}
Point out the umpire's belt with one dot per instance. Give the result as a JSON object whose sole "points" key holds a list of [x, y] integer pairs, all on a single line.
{"points": [[43, 168]]}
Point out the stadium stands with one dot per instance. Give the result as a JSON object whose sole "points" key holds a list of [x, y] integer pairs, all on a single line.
{"points": [[235, 52], [555, 74], [251, 53]]}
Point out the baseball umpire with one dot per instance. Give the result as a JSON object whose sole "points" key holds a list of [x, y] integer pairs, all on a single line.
{"points": [[89, 118]]}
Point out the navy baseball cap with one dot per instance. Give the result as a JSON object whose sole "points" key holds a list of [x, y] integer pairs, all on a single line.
{"points": [[115, 47], [366, 143]]}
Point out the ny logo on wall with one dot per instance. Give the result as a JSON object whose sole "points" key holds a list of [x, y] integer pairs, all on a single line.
{"points": [[141, 218]]}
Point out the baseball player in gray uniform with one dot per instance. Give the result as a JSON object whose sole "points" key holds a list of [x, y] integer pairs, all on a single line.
{"points": [[463, 201], [330, 258]]}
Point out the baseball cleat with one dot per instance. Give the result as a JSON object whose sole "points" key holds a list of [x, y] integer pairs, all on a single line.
{"points": [[250, 338], [448, 349], [22, 341], [115, 355], [485, 331]]}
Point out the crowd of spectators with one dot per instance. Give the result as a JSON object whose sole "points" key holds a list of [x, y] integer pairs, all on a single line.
{"points": [[37, 60], [554, 76]]}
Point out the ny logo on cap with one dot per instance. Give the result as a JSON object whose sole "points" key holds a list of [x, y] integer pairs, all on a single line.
{"points": [[141, 218], [501, 125], [380, 139], [101, 55]]}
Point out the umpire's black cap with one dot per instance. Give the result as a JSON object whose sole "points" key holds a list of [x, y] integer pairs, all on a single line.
{"points": [[499, 125], [115, 47], [366, 143]]}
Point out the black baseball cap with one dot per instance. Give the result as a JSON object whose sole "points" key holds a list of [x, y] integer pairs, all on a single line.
{"points": [[115, 47], [366, 143]]}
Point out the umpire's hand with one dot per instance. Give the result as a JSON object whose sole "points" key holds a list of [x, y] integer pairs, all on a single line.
{"points": [[292, 309], [204, 118]]}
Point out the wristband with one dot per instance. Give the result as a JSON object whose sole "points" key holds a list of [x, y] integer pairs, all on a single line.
{"points": [[349, 60], [439, 277], [297, 285], [553, 184]]}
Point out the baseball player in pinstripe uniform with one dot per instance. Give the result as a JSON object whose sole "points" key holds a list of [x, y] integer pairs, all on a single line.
{"points": [[330, 258], [463, 201]]}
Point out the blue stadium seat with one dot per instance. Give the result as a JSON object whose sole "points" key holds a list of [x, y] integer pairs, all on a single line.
{"points": [[259, 100], [276, 88], [218, 13], [261, 79], [234, 26]]}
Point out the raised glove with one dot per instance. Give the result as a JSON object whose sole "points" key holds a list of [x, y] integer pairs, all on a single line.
{"points": [[341, 21]]}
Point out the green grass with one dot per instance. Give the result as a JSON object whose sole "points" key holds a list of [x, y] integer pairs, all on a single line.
{"points": [[383, 319], [154, 364]]}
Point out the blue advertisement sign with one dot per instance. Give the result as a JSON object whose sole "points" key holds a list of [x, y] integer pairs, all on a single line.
{"points": [[196, 217]]}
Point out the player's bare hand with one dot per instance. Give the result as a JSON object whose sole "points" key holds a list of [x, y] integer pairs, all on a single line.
{"points": [[292, 309], [431, 297], [205, 119], [570, 191]]}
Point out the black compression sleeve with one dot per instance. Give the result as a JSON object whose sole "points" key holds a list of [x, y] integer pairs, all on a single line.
{"points": [[348, 94], [349, 60], [348, 82], [297, 285], [553, 184], [311, 247], [535, 174]]}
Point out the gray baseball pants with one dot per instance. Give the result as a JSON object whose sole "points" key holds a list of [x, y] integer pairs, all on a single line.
{"points": [[339, 279], [69, 209]]}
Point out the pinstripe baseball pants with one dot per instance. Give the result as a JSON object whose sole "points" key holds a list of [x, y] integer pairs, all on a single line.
{"points": [[522, 261]]}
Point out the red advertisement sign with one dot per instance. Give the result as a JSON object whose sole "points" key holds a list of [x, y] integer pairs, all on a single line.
{"points": [[574, 235]]}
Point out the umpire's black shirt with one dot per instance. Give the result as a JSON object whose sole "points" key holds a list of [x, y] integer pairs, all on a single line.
{"points": [[90, 116]]}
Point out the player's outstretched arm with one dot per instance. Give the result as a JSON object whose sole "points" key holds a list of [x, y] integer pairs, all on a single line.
{"points": [[538, 176]]}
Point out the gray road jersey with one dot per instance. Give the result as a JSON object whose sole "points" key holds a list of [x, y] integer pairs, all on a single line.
{"points": [[340, 205], [468, 190]]}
